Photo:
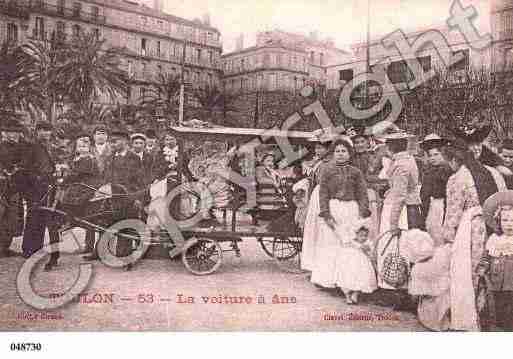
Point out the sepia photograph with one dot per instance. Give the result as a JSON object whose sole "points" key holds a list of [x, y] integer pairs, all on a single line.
{"points": [[255, 166]]}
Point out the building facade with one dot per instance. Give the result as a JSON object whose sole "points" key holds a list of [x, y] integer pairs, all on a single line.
{"points": [[279, 61], [501, 21], [396, 65], [153, 40]]}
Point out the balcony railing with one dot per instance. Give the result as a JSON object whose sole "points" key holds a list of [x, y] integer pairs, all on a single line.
{"points": [[12, 8], [68, 13]]}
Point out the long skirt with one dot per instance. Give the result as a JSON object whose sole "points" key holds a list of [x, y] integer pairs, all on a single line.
{"points": [[384, 239], [311, 231], [329, 261], [435, 219], [357, 271]]}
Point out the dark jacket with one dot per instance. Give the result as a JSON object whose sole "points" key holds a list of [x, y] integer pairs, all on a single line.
{"points": [[84, 170], [125, 169], [434, 185], [345, 183]]}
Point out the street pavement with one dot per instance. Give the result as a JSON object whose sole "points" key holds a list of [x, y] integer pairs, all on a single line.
{"points": [[156, 296]]}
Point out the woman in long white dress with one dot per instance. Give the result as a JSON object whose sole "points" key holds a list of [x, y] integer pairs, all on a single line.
{"points": [[312, 221], [343, 200]]}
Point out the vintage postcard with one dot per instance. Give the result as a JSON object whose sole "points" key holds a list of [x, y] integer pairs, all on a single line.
{"points": [[287, 165]]}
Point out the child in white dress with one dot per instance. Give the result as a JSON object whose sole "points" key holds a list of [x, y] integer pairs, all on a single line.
{"points": [[357, 274]]}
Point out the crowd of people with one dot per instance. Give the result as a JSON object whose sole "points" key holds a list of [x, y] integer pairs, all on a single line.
{"points": [[444, 240], [132, 161], [367, 209]]}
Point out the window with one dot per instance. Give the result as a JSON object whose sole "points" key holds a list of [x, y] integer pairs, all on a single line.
{"points": [[399, 72], [158, 48], [130, 69], [60, 6], [39, 30], [61, 28], [278, 60], [242, 63], [97, 34], [143, 47], [463, 63], [425, 63], [210, 56], [95, 11], [198, 54], [12, 33], [76, 30], [272, 82], [143, 69], [321, 59], [159, 67], [312, 57], [77, 9], [142, 92], [210, 80], [346, 75]]}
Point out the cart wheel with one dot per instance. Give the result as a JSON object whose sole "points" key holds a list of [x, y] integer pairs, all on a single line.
{"points": [[267, 245], [287, 254], [203, 257]]}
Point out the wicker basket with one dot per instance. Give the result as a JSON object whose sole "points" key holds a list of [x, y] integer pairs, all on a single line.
{"points": [[396, 268]]}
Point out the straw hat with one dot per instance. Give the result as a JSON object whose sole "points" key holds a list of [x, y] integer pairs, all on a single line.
{"points": [[432, 141], [493, 204]]}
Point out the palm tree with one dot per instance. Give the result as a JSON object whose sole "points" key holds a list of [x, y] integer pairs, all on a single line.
{"points": [[88, 114], [14, 95], [211, 98], [90, 72], [162, 95], [38, 75]]}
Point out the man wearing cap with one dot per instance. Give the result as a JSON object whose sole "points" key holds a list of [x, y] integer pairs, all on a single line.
{"points": [[41, 170], [124, 168], [146, 160], [101, 148], [13, 151], [506, 153]]}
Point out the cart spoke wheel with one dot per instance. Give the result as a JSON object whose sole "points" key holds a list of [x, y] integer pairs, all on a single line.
{"points": [[287, 254], [267, 245], [203, 257]]}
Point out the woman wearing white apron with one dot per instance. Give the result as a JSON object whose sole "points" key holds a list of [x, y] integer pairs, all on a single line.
{"points": [[311, 228], [434, 183], [342, 200], [401, 207]]}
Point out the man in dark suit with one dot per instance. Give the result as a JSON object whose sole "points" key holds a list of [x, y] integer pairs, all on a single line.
{"points": [[124, 168], [41, 170], [13, 164]]}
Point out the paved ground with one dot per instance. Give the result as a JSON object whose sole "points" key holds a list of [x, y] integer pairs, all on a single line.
{"points": [[160, 282]]}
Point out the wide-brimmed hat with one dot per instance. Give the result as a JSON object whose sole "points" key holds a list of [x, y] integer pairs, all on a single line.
{"points": [[396, 136], [356, 132], [417, 245], [11, 125], [471, 133], [492, 205], [432, 141], [326, 135]]}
